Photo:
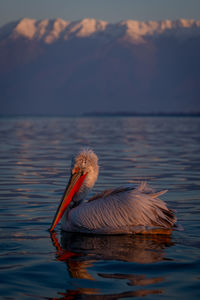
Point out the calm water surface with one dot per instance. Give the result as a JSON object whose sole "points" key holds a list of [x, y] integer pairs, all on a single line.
{"points": [[35, 158]]}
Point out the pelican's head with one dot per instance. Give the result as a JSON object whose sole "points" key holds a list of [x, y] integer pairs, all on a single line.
{"points": [[84, 173], [86, 162]]}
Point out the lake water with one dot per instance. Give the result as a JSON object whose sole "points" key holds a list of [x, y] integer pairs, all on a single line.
{"points": [[35, 159]]}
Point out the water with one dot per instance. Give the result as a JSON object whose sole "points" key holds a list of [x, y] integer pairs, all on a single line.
{"points": [[34, 166]]}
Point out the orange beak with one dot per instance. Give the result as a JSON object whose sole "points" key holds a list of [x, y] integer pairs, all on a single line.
{"points": [[75, 182]]}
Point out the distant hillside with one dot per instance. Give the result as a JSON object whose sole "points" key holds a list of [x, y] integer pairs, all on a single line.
{"points": [[61, 67]]}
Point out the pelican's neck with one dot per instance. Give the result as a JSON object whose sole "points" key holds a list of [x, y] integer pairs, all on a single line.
{"points": [[81, 195], [87, 185], [78, 198]]}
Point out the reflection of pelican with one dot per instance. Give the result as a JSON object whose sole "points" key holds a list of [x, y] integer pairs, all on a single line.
{"points": [[83, 251], [123, 210], [127, 248]]}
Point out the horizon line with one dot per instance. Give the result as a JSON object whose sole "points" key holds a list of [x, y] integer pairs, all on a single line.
{"points": [[104, 114]]}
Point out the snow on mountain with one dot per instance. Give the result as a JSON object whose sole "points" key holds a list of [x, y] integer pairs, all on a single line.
{"points": [[134, 31], [51, 30], [46, 30]]}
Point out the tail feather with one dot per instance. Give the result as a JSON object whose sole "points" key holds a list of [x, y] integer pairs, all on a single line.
{"points": [[155, 209], [146, 189], [156, 195]]}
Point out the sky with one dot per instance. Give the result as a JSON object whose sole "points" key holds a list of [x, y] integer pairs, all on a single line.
{"points": [[109, 10]]}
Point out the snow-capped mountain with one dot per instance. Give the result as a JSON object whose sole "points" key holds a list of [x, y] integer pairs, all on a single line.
{"points": [[57, 66], [50, 31]]}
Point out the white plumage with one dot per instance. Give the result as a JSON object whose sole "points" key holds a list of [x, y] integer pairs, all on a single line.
{"points": [[125, 210]]}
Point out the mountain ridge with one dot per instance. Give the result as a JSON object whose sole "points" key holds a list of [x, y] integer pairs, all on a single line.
{"points": [[51, 30]]}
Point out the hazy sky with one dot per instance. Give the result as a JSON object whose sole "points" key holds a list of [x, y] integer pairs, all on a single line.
{"points": [[110, 10]]}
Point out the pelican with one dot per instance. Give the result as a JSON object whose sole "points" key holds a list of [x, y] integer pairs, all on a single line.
{"points": [[125, 210]]}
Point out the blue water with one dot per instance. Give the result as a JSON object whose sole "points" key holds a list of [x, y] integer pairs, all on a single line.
{"points": [[35, 158]]}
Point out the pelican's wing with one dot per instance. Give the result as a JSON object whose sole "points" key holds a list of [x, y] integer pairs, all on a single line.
{"points": [[122, 211], [110, 192], [143, 188]]}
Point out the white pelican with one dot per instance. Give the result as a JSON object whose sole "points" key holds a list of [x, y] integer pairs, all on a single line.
{"points": [[125, 210]]}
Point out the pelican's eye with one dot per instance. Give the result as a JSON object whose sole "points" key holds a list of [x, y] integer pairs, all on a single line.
{"points": [[78, 170]]}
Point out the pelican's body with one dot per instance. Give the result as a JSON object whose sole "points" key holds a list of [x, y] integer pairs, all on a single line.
{"points": [[121, 211]]}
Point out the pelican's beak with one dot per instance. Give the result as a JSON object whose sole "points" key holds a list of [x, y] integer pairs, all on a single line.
{"points": [[75, 182]]}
